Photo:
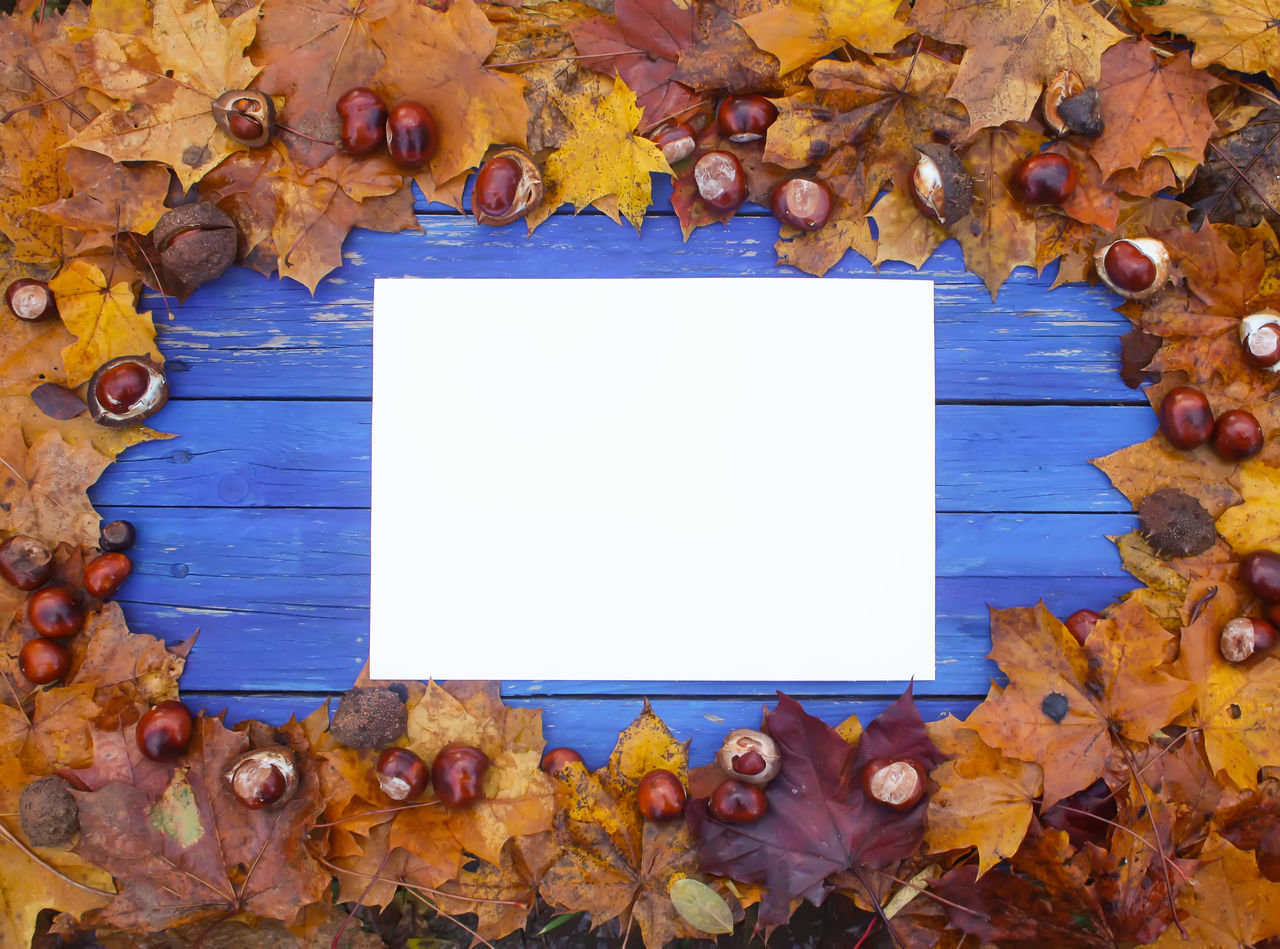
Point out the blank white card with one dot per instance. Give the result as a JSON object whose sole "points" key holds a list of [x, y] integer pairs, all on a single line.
{"points": [[685, 479]]}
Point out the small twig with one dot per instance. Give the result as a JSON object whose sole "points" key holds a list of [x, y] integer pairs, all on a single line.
{"points": [[453, 919], [1132, 833], [36, 79], [871, 895], [381, 810], [1164, 860], [565, 59], [35, 105], [13, 690], [319, 141], [6, 834], [866, 932], [337, 937], [154, 276], [925, 891], [426, 889], [1241, 175]]}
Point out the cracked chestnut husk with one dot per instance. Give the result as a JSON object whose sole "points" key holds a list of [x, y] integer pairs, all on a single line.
{"points": [[125, 390], [1134, 267], [1175, 524], [197, 243], [507, 187], [1064, 85], [1260, 337], [267, 777], [749, 755], [942, 188], [30, 300], [247, 115]]}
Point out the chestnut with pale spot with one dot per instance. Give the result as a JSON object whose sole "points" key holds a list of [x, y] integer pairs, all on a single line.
{"points": [[899, 784], [720, 180], [1244, 636]]}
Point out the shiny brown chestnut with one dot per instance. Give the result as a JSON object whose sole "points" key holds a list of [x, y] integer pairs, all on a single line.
{"points": [[25, 562], [895, 783], [720, 180], [507, 187], [660, 796], [1237, 435], [401, 774], [1045, 178], [749, 755], [125, 390], [103, 576], [737, 802], [457, 774], [1245, 635], [55, 612], [117, 536], [1260, 570], [802, 203], [940, 186], [164, 731], [1260, 337], [1134, 267], [42, 661], [364, 121], [411, 135], [745, 118], [676, 141], [247, 115], [1080, 624], [265, 777], [556, 758], [1186, 419], [30, 300]]}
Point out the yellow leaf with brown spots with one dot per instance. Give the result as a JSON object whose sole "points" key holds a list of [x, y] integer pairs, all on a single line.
{"points": [[1144, 468], [42, 488], [103, 320], [1253, 524], [800, 31], [75, 431], [1240, 36]]}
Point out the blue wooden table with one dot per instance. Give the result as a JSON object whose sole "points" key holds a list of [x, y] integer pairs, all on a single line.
{"points": [[254, 523]]}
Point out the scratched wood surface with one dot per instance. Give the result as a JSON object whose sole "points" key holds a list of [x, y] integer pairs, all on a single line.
{"points": [[254, 523]]}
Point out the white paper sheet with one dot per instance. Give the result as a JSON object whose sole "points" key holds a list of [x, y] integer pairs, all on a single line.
{"points": [[693, 479]]}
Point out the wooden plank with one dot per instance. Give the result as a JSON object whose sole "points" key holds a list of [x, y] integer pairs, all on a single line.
{"points": [[592, 725], [249, 337], [316, 454]]}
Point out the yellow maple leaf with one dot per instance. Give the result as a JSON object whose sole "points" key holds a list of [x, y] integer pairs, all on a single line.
{"points": [[1241, 36], [102, 318], [602, 161], [800, 31], [42, 487], [1254, 523]]}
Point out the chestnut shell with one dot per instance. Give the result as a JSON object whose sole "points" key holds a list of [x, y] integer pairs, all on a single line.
{"points": [[528, 193], [156, 396], [255, 105], [940, 184]]}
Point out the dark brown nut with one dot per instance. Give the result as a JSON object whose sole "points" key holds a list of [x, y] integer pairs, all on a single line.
{"points": [[749, 755], [197, 243], [25, 562], [369, 718], [1082, 113], [507, 187], [48, 813], [1176, 524], [126, 390], [266, 777], [942, 188], [247, 115]]}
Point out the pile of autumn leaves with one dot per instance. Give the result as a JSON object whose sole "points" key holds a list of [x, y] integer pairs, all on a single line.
{"points": [[1113, 792]]}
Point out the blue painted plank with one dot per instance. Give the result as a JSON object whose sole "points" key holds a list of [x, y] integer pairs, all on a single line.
{"points": [[249, 337], [592, 725], [316, 454]]}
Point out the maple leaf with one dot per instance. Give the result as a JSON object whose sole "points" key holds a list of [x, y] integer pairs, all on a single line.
{"points": [[1240, 36], [1254, 523], [439, 62], [502, 896], [1230, 905], [1013, 49], [193, 851], [800, 31], [1240, 181], [903, 233], [723, 55], [984, 799], [1152, 105], [1068, 706], [50, 731], [22, 411], [1142, 469], [108, 198], [103, 319], [820, 821], [642, 48], [164, 82], [43, 487], [601, 156], [613, 864]]}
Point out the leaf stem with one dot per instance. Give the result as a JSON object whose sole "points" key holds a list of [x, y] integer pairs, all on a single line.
{"points": [[871, 895], [380, 810], [337, 937], [1128, 830], [6, 834]]}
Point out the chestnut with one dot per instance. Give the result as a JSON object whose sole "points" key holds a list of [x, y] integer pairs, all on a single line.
{"points": [[364, 121], [30, 300], [1135, 267], [105, 575], [556, 758], [507, 187], [1260, 337], [42, 661], [117, 536], [1245, 635], [895, 783], [246, 115], [197, 244], [745, 118], [25, 562], [1237, 435], [55, 612], [1186, 419], [749, 755], [164, 731], [457, 774], [401, 774], [660, 796], [1065, 84], [940, 186], [263, 778], [1080, 624], [801, 203], [720, 180], [736, 802], [676, 140], [1046, 178], [125, 390], [1260, 571], [411, 135], [1071, 107]]}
